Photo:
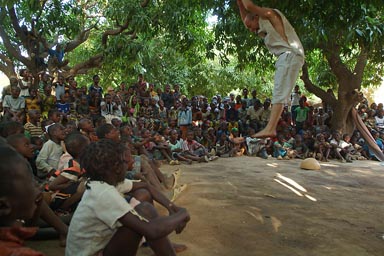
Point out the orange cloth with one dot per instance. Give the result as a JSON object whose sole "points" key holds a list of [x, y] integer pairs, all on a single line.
{"points": [[12, 241]]}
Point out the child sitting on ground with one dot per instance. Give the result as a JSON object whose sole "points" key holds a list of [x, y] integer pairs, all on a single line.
{"points": [[192, 148], [224, 146], [48, 159], [298, 149], [68, 185], [176, 146], [280, 149], [322, 148], [239, 146], [108, 223]]}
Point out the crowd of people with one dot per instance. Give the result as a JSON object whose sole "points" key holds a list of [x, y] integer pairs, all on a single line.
{"points": [[80, 142]]}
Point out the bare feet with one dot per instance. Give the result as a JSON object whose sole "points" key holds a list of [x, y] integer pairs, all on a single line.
{"points": [[264, 134]]}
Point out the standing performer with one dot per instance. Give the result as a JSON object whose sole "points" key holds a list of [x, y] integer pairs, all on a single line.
{"points": [[281, 40]]}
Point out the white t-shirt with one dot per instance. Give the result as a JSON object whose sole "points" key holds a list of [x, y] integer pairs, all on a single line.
{"points": [[379, 121], [95, 220]]}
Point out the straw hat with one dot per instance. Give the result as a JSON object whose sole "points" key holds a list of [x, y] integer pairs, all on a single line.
{"points": [[310, 164]]}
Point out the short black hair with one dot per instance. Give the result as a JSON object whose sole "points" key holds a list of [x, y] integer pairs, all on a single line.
{"points": [[104, 129], [75, 144], [98, 158], [10, 127]]}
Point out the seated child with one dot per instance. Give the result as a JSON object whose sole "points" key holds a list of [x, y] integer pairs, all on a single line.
{"points": [[108, 131], [239, 146], [48, 159], [108, 223], [68, 185], [337, 150], [280, 148], [224, 147], [176, 146], [297, 148], [192, 148], [322, 148]]}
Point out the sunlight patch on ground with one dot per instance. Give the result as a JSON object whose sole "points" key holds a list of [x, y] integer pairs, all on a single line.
{"points": [[330, 173], [362, 171], [293, 186], [273, 165], [330, 165]]}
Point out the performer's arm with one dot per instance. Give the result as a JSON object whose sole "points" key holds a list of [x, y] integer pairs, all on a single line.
{"points": [[266, 13]]}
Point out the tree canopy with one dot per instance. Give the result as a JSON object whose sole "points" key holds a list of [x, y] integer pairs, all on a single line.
{"points": [[172, 42]]}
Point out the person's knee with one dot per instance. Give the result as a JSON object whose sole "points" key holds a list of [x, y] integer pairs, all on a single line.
{"points": [[146, 210], [143, 195]]}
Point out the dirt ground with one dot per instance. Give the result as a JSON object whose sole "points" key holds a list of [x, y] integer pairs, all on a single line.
{"points": [[247, 206]]}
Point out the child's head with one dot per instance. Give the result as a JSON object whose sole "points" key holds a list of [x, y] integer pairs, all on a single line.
{"points": [[18, 195], [64, 98], [106, 160], [198, 131], [54, 115], [34, 115], [21, 144], [190, 135], [116, 122], [126, 130], [223, 136], [56, 132], [15, 92], [37, 142], [75, 144], [298, 139], [10, 127], [108, 131], [346, 137], [174, 135], [70, 127], [86, 125], [100, 121]]}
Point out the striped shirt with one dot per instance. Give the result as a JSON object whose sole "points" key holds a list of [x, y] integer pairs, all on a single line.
{"points": [[34, 131]]}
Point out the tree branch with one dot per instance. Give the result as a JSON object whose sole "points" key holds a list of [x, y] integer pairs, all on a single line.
{"points": [[92, 62], [327, 97], [332, 53], [358, 72], [15, 23], [6, 66], [13, 51], [113, 32], [80, 38]]}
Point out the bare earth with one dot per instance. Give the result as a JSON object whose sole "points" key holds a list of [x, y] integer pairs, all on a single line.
{"points": [[241, 206]]}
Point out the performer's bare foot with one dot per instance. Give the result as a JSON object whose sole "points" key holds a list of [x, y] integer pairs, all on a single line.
{"points": [[264, 134]]}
